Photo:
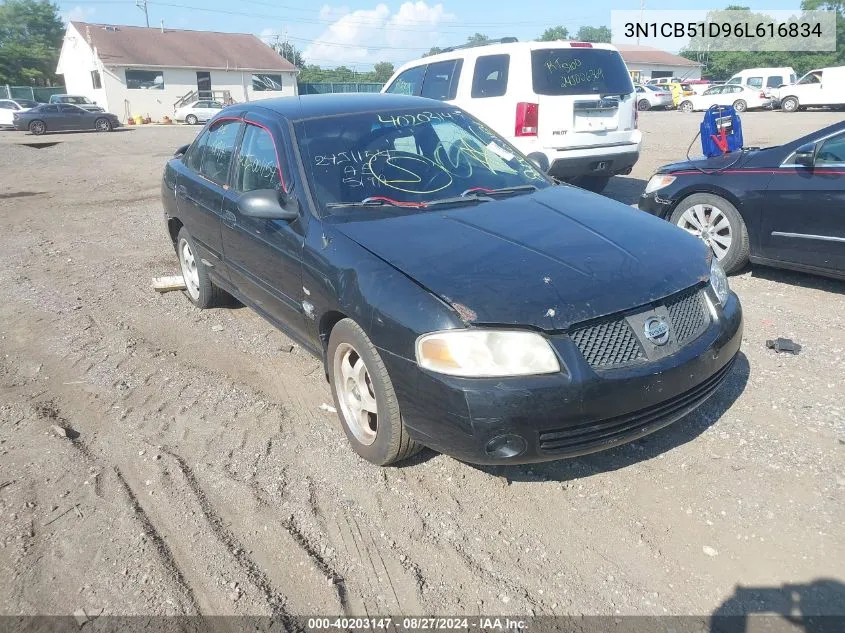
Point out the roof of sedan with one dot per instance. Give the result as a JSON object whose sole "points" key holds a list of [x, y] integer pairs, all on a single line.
{"points": [[309, 106]]}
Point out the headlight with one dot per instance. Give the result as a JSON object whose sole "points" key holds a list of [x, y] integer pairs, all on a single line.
{"points": [[658, 181], [486, 353], [719, 281]]}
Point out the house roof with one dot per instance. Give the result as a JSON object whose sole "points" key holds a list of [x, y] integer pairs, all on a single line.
{"points": [[119, 45], [634, 54]]}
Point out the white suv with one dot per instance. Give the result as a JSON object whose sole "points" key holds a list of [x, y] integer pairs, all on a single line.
{"points": [[568, 106]]}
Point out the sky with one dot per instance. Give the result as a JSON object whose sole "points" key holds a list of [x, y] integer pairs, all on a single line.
{"points": [[359, 33]]}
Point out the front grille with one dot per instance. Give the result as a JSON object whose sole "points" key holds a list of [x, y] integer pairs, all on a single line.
{"points": [[608, 344], [591, 436], [688, 315]]}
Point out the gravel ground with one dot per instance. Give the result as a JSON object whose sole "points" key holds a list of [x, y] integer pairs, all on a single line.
{"points": [[155, 459]]}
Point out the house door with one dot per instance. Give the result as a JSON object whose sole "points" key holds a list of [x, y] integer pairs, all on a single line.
{"points": [[204, 85]]}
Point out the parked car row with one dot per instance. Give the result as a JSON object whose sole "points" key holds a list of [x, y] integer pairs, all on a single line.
{"points": [[63, 112]]}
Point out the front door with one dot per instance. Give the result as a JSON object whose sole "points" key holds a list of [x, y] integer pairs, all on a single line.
{"points": [[264, 257], [204, 85], [803, 217]]}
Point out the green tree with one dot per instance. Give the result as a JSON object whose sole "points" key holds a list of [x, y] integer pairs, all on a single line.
{"points": [[290, 53], [31, 33], [554, 33], [477, 39], [593, 34], [434, 50], [382, 71]]}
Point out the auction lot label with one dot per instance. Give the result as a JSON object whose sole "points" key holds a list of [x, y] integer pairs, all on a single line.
{"points": [[708, 31]]}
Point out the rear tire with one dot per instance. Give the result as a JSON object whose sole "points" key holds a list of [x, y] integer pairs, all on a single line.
{"points": [[596, 184], [790, 104], [191, 119], [378, 436], [199, 288], [643, 105], [710, 212], [685, 106], [740, 105], [37, 127]]}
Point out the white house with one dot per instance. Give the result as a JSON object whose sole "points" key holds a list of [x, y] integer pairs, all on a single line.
{"points": [[130, 70], [647, 62]]}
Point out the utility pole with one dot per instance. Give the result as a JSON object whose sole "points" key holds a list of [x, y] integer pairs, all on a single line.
{"points": [[142, 4], [642, 10]]}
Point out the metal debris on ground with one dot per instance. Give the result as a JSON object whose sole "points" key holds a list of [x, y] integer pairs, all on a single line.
{"points": [[783, 345], [328, 407], [167, 284], [58, 431]]}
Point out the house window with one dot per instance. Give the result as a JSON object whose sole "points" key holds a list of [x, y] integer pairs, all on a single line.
{"points": [[262, 82], [96, 81], [145, 80]]}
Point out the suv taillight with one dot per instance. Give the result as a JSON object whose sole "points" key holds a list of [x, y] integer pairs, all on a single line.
{"points": [[762, 95], [527, 117]]}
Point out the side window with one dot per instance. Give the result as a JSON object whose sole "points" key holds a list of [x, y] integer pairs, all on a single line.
{"points": [[832, 152], [7, 105], [201, 104], [409, 82], [735, 80], [811, 78], [774, 82], [441, 80], [490, 78], [67, 108], [755, 82], [50, 109], [258, 166], [218, 147]]}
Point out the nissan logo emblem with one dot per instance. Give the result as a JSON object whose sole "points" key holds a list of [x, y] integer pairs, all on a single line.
{"points": [[657, 330]]}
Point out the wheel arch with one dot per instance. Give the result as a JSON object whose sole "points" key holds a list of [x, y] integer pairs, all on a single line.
{"points": [[173, 227]]}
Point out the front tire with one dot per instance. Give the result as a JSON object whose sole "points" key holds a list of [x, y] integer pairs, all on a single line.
{"points": [[643, 105], [790, 104], [191, 119], [37, 128], [740, 105], [198, 285], [364, 397], [718, 223], [102, 125], [685, 106]]}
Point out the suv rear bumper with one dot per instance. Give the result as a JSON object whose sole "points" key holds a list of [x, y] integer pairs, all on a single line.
{"points": [[567, 168]]}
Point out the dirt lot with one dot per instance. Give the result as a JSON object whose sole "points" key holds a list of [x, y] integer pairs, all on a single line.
{"points": [[201, 475]]}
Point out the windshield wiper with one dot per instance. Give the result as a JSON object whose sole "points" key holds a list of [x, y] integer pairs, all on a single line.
{"points": [[375, 201], [508, 190], [473, 195]]}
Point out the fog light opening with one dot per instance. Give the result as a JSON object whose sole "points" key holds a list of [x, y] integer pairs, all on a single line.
{"points": [[506, 446]]}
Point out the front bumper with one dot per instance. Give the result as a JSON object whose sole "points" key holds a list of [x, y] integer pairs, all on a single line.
{"points": [[655, 204], [564, 415]]}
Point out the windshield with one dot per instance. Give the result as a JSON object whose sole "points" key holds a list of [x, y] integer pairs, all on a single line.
{"points": [[578, 71], [410, 157]]}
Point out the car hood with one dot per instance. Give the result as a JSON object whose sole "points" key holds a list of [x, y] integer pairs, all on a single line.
{"points": [[732, 159], [546, 260]]}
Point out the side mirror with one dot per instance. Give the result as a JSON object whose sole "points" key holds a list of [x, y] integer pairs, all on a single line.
{"points": [[181, 151], [268, 204], [806, 155]]}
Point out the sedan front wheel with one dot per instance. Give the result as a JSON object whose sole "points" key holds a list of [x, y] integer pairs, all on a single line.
{"points": [[718, 223], [364, 397]]}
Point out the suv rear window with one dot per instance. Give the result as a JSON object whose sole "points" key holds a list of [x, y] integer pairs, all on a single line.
{"points": [[578, 71]]}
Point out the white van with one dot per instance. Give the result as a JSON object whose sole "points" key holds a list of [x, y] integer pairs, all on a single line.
{"points": [[765, 79], [568, 106], [821, 87]]}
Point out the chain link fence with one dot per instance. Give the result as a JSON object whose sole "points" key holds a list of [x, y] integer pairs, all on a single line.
{"points": [[35, 93], [332, 87]]}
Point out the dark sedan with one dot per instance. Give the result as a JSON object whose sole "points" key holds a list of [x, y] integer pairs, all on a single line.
{"points": [[62, 117], [782, 206], [457, 298]]}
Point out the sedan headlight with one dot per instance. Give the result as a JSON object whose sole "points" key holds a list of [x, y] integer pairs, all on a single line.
{"points": [[719, 281], [486, 353], [658, 181]]}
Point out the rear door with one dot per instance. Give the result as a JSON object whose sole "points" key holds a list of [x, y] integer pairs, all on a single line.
{"points": [[803, 217], [585, 97], [441, 80], [201, 182]]}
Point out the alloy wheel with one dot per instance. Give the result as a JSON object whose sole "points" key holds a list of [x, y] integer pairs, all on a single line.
{"points": [[355, 394], [189, 269], [711, 225]]}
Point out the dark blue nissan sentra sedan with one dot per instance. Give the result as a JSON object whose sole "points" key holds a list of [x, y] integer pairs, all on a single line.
{"points": [[458, 298]]}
